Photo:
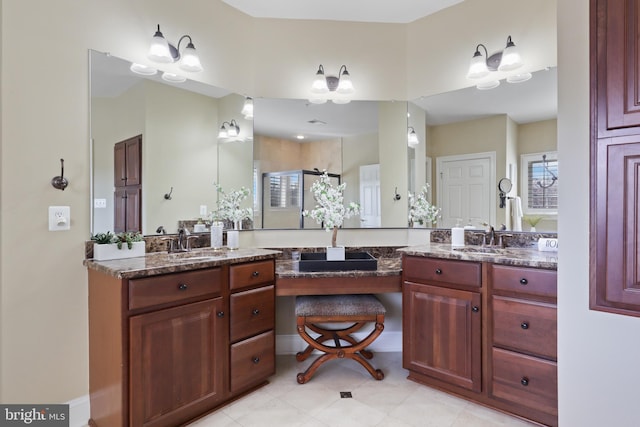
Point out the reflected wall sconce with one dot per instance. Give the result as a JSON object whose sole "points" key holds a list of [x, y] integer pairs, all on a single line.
{"points": [[163, 52], [506, 60], [247, 108], [412, 138], [323, 85], [229, 129]]}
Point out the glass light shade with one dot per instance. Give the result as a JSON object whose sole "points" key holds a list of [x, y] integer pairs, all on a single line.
{"points": [[142, 69], [247, 108], [510, 58], [478, 67], [317, 100], [519, 78], [345, 86], [412, 139], [233, 131], [491, 84], [159, 49], [173, 78], [190, 61], [223, 132], [319, 84], [341, 100]]}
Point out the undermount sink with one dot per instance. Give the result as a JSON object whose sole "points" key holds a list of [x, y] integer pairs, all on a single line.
{"points": [[481, 250]]}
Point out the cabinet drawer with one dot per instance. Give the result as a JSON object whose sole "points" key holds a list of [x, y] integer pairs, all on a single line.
{"points": [[174, 287], [255, 273], [252, 312], [530, 281], [441, 270], [252, 361], [525, 380], [525, 326]]}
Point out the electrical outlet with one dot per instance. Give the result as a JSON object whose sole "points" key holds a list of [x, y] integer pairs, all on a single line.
{"points": [[203, 210], [99, 203], [59, 218]]}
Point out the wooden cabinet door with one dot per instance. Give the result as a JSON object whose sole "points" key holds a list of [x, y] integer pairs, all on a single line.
{"points": [[127, 205], [442, 334], [177, 363], [127, 162], [617, 68]]}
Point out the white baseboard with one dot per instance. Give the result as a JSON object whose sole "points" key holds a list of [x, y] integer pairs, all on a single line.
{"points": [[386, 342], [79, 412]]}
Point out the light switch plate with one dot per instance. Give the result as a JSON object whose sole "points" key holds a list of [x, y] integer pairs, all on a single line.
{"points": [[99, 203], [59, 218]]}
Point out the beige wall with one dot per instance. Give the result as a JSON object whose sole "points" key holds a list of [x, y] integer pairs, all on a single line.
{"points": [[43, 317], [357, 151]]}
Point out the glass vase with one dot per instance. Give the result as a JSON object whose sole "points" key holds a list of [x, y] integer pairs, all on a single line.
{"points": [[216, 234]]}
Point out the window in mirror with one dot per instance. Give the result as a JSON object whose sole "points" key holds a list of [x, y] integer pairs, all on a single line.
{"points": [[540, 183]]}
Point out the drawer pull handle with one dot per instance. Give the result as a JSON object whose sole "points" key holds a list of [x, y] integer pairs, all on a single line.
{"points": [[524, 325], [524, 381], [438, 271], [256, 360], [255, 273], [255, 312], [182, 287], [523, 281], [220, 314], [475, 309]]}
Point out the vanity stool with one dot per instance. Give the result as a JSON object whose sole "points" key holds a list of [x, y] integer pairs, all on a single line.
{"points": [[358, 310]]}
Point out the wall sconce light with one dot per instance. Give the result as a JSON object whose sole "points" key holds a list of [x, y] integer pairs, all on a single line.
{"points": [[229, 129], [505, 60], [164, 52], [324, 84], [247, 108], [412, 138]]}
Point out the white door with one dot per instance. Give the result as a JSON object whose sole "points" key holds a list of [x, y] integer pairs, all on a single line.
{"points": [[465, 189], [370, 196]]}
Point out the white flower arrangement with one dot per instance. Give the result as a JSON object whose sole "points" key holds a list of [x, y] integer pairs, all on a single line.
{"points": [[229, 205], [420, 210], [330, 211]]}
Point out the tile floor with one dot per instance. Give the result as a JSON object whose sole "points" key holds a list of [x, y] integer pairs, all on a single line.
{"points": [[392, 402]]}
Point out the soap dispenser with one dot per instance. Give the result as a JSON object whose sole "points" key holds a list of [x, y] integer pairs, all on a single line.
{"points": [[457, 235]]}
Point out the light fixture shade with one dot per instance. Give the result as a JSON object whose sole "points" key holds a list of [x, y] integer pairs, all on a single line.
{"points": [[173, 78], [234, 129], [340, 100], [223, 132], [511, 59], [159, 49], [317, 100], [477, 67], [247, 108], [319, 84], [519, 78], [190, 61], [345, 86], [142, 69], [491, 84], [412, 138]]}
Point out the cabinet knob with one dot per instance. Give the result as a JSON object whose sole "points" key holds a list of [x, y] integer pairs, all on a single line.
{"points": [[475, 309], [255, 312], [524, 381], [524, 325], [523, 281], [220, 314], [438, 271], [255, 273], [182, 287], [256, 360]]}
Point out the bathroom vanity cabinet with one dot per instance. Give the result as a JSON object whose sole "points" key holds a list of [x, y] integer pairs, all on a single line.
{"points": [[483, 331], [165, 349]]}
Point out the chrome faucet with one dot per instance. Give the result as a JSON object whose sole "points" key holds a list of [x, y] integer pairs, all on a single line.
{"points": [[492, 236], [183, 239]]}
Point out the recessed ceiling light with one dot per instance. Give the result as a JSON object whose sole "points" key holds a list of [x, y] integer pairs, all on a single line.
{"points": [[300, 136]]}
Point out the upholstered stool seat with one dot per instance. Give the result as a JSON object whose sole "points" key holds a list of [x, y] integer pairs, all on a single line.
{"points": [[357, 310]]}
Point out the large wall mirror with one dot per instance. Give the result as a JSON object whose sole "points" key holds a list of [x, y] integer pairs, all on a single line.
{"points": [[363, 142]]}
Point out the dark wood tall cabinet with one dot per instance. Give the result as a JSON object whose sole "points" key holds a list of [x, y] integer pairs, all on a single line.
{"points": [[615, 156], [127, 182]]}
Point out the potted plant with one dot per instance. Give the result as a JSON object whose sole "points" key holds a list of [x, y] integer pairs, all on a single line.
{"points": [[421, 211], [107, 246], [532, 220], [330, 211], [229, 209]]}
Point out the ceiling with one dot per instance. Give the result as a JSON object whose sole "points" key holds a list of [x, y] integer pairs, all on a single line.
{"points": [[396, 11]]}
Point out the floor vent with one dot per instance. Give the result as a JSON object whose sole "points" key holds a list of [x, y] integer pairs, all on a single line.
{"points": [[345, 394]]}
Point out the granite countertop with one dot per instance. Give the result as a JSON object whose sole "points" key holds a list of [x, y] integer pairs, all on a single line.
{"points": [[161, 262], [516, 256], [287, 268]]}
